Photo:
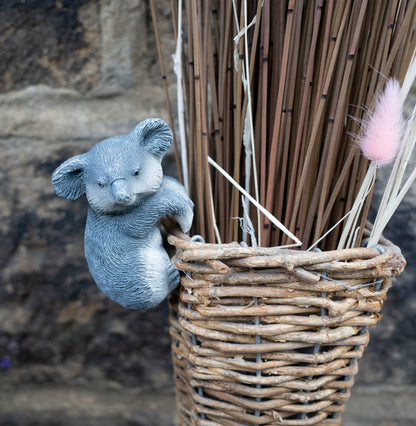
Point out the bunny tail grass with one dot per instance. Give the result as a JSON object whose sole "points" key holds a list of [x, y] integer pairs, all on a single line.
{"points": [[383, 133]]}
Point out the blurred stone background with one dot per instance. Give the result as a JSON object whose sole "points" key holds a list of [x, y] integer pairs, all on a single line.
{"points": [[73, 73]]}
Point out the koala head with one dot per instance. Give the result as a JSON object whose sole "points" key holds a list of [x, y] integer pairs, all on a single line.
{"points": [[117, 172]]}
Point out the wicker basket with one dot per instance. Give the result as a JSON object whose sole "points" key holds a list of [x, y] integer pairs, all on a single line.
{"points": [[272, 336]]}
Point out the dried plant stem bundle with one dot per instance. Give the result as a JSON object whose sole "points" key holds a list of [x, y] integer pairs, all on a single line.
{"points": [[268, 87]]}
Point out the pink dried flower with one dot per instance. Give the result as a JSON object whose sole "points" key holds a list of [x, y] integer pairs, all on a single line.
{"points": [[383, 133]]}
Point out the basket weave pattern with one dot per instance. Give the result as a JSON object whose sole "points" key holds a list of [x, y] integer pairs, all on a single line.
{"points": [[271, 336]]}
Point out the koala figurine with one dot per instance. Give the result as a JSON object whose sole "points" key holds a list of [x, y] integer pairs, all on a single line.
{"points": [[127, 193]]}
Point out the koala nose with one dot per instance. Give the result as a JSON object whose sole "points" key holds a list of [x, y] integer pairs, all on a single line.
{"points": [[121, 191]]}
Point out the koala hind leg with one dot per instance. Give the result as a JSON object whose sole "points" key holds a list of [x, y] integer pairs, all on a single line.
{"points": [[173, 276]]}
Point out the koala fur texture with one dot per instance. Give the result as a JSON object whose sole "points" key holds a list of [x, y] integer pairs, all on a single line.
{"points": [[127, 193]]}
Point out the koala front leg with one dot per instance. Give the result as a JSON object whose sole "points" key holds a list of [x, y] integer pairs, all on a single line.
{"points": [[183, 215], [179, 205], [171, 199]]}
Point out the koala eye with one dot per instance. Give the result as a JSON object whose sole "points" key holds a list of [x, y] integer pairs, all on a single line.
{"points": [[136, 173], [100, 184]]}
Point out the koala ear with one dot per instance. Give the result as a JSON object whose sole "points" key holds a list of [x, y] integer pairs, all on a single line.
{"points": [[154, 135], [67, 179]]}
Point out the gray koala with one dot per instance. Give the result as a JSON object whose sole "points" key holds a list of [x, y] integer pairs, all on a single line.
{"points": [[127, 193]]}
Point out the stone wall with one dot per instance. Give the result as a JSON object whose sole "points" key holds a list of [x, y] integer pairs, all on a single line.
{"points": [[71, 74]]}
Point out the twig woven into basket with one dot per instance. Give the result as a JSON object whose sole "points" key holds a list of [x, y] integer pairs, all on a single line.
{"points": [[271, 336]]}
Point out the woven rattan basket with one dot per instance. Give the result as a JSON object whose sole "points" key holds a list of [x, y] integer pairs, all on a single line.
{"points": [[272, 336]]}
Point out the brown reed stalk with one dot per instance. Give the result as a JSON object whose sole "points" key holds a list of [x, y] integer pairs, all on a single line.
{"points": [[304, 102], [264, 68], [331, 146], [311, 65], [277, 119], [165, 87]]}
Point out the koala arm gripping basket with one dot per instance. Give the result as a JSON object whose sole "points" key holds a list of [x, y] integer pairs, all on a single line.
{"points": [[268, 336]]}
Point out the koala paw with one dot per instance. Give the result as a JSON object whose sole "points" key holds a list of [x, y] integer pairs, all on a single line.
{"points": [[185, 219]]}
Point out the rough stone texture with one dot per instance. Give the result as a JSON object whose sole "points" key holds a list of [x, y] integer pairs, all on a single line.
{"points": [[61, 115], [102, 405], [100, 46], [70, 77], [389, 358], [55, 323], [49, 42], [71, 74], [115, 405]]}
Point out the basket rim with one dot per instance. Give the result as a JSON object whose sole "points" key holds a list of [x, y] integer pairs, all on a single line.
{"points": [[187, 251]]}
